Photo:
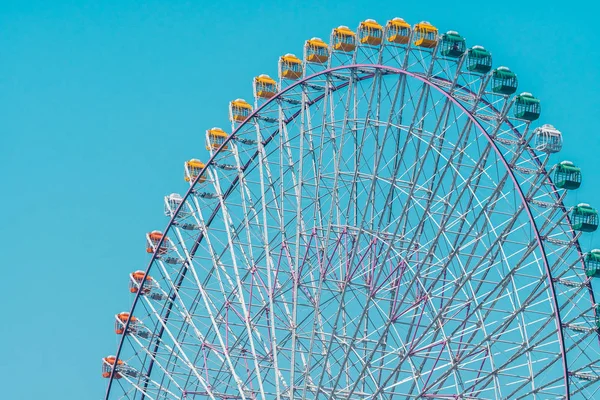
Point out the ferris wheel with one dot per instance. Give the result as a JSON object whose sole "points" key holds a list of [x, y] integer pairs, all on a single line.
{"points": [[384, 220]]}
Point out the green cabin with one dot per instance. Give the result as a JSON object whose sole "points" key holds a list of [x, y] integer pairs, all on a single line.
{"points": [[592, 263], [452, 44], [527, 107], [504, 81], [479, 60], [567, 176], [584, 218]]}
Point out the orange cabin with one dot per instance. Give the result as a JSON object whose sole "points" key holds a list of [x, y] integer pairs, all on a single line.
{"points": [[264, 86], [398, 31], [122, 320], [290, 67], [370, 32], [193, 168], [152, 239], [107, 365], [216, 137], [316, 51], [343, 39], [239, 110], [136, 282]]}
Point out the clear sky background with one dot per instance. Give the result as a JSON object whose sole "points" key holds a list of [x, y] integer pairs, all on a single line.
{"points": [[101, 102]]}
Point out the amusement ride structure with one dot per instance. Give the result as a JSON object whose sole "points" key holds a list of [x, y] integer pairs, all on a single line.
{"points": [[382, 221]]}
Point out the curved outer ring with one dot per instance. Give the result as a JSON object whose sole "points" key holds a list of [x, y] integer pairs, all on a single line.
{"points": [[456, 103]]}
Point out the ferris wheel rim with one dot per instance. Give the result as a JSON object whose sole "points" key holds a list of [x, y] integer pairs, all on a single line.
{"points": [[396, 71]]}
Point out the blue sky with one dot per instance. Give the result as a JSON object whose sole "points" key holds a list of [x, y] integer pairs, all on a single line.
{"points": [[101, 102]]}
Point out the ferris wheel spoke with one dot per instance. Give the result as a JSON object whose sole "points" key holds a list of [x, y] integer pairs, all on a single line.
{"points": [[525, 347], [144, 390], [540, 372], [173, 353], [284, 242], [266, 179], [189, 342], [359, 379], [526, 302], [188, 314], [325, 230], [459, 327], [378, 86], [383, 336], [209, 306], [353, 255], [372, 277], [153, 355], [555, 358], [234, 244], [182, 354], [300, 229], [295, 266], [294, 273], [412, 244], [431, 196]]}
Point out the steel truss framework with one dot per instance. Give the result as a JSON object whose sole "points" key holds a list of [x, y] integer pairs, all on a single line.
{"points": [[381, 228]]}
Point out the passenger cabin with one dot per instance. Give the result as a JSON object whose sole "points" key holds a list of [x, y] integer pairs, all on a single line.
{"points": [[479, 60], [215, 137], [425, 35], [504, 81], [398, 31], [343, 39], [153, 239], [548, 139], [193, 168], [172, 203], [264, 87], [239, 110], [370, 32], [597, 312], [527, 107], [584, 218], [316, 51], [452, 45], [567, 176], [290, 67], [107, 366], [121, 320], [135, 282], [592, 263]]}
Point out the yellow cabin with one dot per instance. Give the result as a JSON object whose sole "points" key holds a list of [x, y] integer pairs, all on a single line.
{"points": [[370, 32], [425, 35], [215, 138], [398, 31], [239, 110], [316, 51], [192, 170], [264, 86], [290, 67], [343, 39]]}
